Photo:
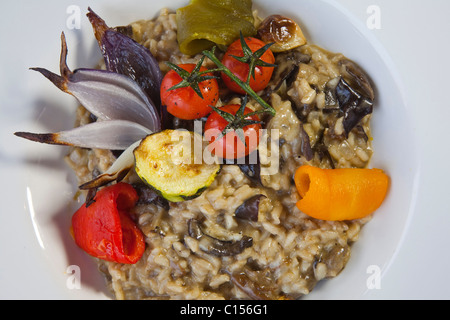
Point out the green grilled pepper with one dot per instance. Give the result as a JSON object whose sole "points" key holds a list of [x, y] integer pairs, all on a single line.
{"points": [[204, 23]]}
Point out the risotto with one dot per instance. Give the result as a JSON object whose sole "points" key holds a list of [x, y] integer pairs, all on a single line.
{"points": [[290, 251], [267, 223]]}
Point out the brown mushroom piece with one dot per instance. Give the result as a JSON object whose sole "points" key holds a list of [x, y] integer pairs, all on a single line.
{"points": [[249, 209], [251, 167], [357, 77], [288, 66], [216, 246], [350, 100], [305, 147], [322, 151], [149, 196], [283, 32], [354, 105]]}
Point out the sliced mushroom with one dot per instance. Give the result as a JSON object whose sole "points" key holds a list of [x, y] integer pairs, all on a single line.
{"points": [[357, 77], [361, 133], [330, 96], [341, 96], [149, 196], [249, 210], [282, 31], [322, 151], [216, 246], [305, 148], [288, 65], [353, 104], [252, 169]]}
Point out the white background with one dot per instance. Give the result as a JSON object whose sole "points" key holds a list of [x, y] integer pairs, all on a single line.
{"points": [[415, 35]]}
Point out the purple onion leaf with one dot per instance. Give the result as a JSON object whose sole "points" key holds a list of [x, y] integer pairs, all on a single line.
{"points": [[124, 55], [105, 94], [109, 135]]}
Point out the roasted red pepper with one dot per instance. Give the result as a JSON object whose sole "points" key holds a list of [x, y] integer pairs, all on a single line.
{"points": [[105, 229]]}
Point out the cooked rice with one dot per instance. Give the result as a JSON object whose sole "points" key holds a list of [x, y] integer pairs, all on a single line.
{"points": [[291, 251]]}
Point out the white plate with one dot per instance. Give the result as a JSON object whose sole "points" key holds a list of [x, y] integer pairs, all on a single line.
{"points": [[38, 254]]}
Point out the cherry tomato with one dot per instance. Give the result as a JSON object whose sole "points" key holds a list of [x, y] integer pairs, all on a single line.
{"points": [[241, 69], [185, 103], [230, 146]]}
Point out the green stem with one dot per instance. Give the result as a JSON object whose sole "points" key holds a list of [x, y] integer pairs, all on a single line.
{"points": [[245, 86], [209, 71], [257, 112]]}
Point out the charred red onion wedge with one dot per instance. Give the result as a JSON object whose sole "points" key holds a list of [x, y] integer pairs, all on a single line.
{"points": [[119, 169], [111, 135], [124, 112], [107, 95], [125, 56]]}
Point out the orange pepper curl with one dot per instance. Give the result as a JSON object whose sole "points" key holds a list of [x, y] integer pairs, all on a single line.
{"points": [[340, 194]]}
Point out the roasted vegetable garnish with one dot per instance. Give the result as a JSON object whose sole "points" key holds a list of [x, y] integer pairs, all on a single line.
{"points": [[106, 94], [166, 162], [340, 194], [188, 90], [284, 32], [250, 60], [125, 56], [203, 23], [105, 229]]}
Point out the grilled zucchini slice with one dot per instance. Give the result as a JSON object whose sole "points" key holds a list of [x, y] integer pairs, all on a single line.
{"points": [[166, 161]]}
